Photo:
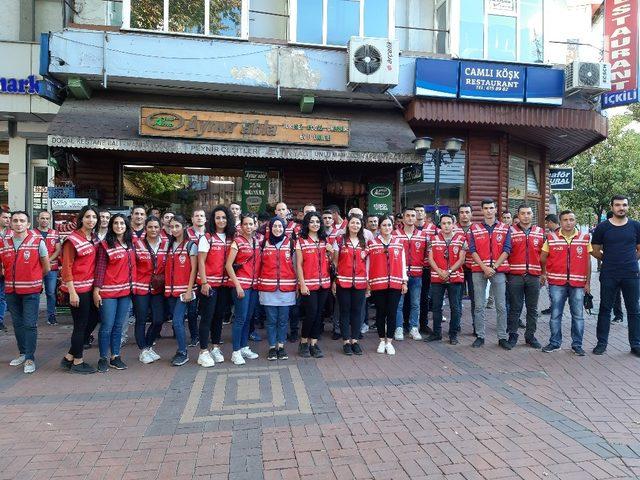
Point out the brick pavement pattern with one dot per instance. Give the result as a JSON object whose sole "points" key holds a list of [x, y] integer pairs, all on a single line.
{"points": [[431, 412]]}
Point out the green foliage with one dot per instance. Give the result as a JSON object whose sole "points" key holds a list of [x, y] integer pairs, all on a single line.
{"points": [[185, 15], [156, 185], [609, 168]]}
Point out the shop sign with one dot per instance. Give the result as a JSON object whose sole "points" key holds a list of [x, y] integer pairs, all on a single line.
{"points": [[502, 5], [243, 127], [380, 201], [561, 179], [544, 86], [255, 190], [19, 86], [412, 174], [492, 81], [70, 203], [621, 51]]}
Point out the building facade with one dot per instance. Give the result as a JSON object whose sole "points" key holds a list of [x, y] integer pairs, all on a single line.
{"points": [[204, 94]]}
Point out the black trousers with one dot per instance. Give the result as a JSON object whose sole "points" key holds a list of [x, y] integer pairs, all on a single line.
{"points": [[313, 305], [223, 305], [386, 302], [425, 304], [351, 301], [81, 318]]}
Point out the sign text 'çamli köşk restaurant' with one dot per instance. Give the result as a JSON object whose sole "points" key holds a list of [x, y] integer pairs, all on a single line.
{"points": [[243, 127]]}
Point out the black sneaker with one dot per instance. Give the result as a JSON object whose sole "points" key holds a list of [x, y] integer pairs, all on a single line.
{"points": [[65, 364], [616, 320], [179, 359], [82, 369], [546, 311], [336, 336], [504, 343], [356, 348], [513, 339], [550, 348], [194, 342], [635, 351], [315, 351], [454, 340], [579, 351], [534, 343], [346, 349], [293, 337], [103, 365], [304, 350], [433, 338], [479, 342], [52, 320], [117, 363], [282, 354], [599, 349], [521, 324], [273, 354]]}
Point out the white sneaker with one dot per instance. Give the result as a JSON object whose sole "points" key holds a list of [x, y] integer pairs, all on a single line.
{"points": [[17, 361], [389, 348], [381, 346], [205, 359], [399, 335], [217, 355], [152, 353], [145, 357], [29, 366], [364, 329], [415, 334], [247, 353], [237, 359]]}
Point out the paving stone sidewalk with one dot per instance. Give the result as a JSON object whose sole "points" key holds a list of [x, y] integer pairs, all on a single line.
{"points": [[429, 412]]}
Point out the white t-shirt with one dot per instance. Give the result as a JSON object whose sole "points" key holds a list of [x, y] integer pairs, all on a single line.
{"points": [[204, 246]]}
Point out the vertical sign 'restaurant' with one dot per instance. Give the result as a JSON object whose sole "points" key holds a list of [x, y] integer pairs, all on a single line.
{"points": [[255, 190], [380, 201], [621, 51]]}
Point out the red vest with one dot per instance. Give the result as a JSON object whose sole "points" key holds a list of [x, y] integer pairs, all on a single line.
{"points": [[445, 256], [177, 269], [315, 263], [51, 241], [120, 273], [352, 266], [145, 266], [415, 249], [525, 250], [489, 247], [468, 261], [568, 263], [215, 261], [385, 264], [135, 237], [22, 268], [276, 268], [84, 263], [248, 259], [194, 237], [331, 236]]}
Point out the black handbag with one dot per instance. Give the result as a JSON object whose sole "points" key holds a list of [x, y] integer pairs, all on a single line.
{"points": [[588, 303]]}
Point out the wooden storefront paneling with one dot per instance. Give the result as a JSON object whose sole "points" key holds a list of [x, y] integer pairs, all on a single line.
{"points": [[301, 185], [99, 173], [486, 173]]}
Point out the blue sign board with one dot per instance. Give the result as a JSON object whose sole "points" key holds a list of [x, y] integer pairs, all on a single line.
{"points": [[616, 99], [544, 86], [437, 78], [492, 81]]}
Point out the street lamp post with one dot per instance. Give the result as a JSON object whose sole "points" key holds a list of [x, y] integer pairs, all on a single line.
{"points": [[452, 146]]}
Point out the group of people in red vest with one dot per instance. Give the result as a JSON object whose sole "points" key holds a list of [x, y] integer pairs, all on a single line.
{"points": [[162, 267]]}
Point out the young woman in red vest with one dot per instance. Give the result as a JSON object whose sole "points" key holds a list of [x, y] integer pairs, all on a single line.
{"points": [[78, 272], [277, 285], [314, 279], [148, 287], [350, 257], [52, 241], [112, 290], [180, 273], [25, 260], [243, 265], [214, 296], [447, 254], [387, 281]]}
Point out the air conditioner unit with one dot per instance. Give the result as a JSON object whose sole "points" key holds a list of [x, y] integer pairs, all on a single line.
{"points": [[373, 63], [588, 77]]}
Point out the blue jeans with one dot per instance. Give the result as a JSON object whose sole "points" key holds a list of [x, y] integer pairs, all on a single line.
{"points": [[113, 313], [177, 309], [3, 301], [630, 288], [50, 281], [141, 306], [24, 314], [192, 318], [559, 295], [414, 287], [244, 308], [454, 291], [277, 320]]}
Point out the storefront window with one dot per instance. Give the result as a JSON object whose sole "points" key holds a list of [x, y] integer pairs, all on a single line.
{"points": [[415, 22], [343, 21], [502, 38], [4, 186], [269, 19], [524, 179], [472, 29], [531, 39]]}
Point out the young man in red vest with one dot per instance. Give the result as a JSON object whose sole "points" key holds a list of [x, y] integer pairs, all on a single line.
{"points": [[464, 226], [52, 241], [566, 265], [424, 223], [25, 260], [138, 217], [489, 246], [5, 220], [523, 280]]}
